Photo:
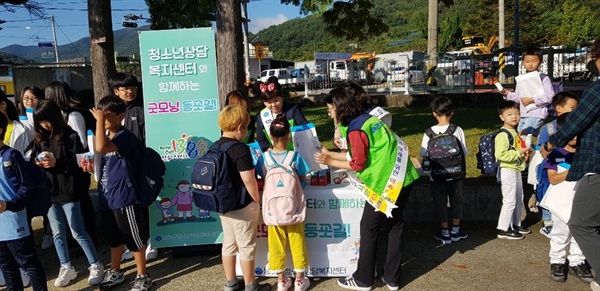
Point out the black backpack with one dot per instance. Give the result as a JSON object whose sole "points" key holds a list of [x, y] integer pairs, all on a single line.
{"points": [[151, 179], [446, 156], [39, 202], [212, 187]]}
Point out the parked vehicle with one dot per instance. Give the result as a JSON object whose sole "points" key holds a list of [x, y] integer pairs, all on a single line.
{"points": [[399, 74], [283, 75]]}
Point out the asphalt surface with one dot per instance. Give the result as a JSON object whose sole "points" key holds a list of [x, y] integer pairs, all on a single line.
{"points": [[481, 262]]}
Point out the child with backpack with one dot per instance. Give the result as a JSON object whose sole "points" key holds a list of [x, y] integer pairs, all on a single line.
{"points": [[562, 103], [444, 148], [561, 239], [16, 240], [512, 160], [284, 205], [55, 148], [124, 221]]}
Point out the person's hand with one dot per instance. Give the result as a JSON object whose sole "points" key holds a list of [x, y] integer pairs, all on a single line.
{"points": [[338, 143], [2, 206], [526, 100], [97, 113], [545, 152], [324, 150], [524, 151], [322, 158]]}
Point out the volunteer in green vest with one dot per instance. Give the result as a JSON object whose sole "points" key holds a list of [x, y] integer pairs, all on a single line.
{"points": [[384, 176], [272, 97]]}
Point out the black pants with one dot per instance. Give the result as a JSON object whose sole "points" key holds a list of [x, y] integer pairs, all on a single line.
{"points": [[369, 230], [20, 253], [584, 223], [440, 192]]}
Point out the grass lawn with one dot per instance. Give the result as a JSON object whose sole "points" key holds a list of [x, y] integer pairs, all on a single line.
{"points": [[410, 124]]}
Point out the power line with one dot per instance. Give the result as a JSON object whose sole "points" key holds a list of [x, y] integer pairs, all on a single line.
{"points": [[70, 42]]}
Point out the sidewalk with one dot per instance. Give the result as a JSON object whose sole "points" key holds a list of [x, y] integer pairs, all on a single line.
{"points": [[482, 262]]}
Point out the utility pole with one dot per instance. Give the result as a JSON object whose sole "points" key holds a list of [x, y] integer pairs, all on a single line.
{"points": [[516, 38], [501, 35], [245, 21], [432, 32], [54, 37]]}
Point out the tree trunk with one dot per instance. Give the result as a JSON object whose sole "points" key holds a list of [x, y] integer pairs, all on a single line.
{"points": [[102, 46], [230, 61]]}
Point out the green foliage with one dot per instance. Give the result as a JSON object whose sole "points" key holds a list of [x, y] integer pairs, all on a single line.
{"points": [[169, 14]]}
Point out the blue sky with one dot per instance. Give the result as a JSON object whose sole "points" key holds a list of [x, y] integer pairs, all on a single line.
{"points": [[71, 19]]}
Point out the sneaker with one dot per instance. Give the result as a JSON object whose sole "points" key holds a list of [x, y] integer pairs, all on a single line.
{"points": [[521, 229], [545, 230], [595, 286], [582, 272], [283, 285], [445, 239], [509, 234], [111, 278], [391, 286], [232, 288], [456, 236], [151, 253], [141, 283], [301, 284], [96, 274], [557, 272], [350, 283], [65, 275], [127, 255], [47, 242], [25, 278]]}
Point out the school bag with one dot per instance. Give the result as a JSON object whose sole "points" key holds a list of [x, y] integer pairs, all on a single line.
{"points": [[40, 202], [542, 181], [486, 161], [212, 188], [283, 198], [151, 179], [446, 156]]}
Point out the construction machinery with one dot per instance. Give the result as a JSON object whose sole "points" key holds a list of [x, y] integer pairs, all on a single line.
{"points": [[357, 67], [475, 45]]}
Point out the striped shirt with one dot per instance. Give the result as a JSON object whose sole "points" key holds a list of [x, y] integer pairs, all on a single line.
{"points": [[583, 123]]}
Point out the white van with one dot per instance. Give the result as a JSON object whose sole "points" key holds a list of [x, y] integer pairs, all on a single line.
{"points": [[283, 75]]}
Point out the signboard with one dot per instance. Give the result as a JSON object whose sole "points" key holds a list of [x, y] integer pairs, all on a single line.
{"points": [[332, 56], [260, 51], [47, 54], [181, 107], [45, 44]]}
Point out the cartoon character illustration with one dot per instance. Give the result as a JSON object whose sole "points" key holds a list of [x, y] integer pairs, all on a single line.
{"points": [[165, 207], [202, 213], [183, 200], [357, 247]]}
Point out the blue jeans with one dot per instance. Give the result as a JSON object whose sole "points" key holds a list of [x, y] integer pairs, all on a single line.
{"points": [[21, 253], [69, 214], [529, 125]]}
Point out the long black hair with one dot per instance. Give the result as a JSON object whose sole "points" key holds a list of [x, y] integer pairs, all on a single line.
{"points": [[47, 110], [60, 92], [346, 105], [279, 127], [11, 109]]}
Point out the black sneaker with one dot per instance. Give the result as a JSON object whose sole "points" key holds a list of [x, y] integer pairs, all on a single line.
{"points": [[350, 283], [111, 279], [582, 272], [445, 239], [557, 272], [521, 229], [456, 236], [509, 234]]}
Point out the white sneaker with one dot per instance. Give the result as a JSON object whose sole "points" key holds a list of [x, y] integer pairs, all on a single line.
{"points": [[127, 255], [47, 241], [25, 278], [301, 284], [284, 285], [65, 276], [96, 274], [151, 253], [595, 286]]}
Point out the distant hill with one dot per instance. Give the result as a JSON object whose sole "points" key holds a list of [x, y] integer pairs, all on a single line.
{"points": [[8, 58], [126, 43]]}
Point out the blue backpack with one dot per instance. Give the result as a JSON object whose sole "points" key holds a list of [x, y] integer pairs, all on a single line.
{"points": [[212, 187], [40, 202], [542, 181], [486, 161], [151, 180]]}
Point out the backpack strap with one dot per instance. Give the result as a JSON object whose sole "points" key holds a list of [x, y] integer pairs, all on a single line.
{"points": [[511, 141], [451, 129], [430, 133]]}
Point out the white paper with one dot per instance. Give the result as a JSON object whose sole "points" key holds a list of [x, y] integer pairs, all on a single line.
{"points": [[529, 85], [306, 143]]}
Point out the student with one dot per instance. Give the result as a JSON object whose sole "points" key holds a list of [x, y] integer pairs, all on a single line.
{"points": [[560, 237], [239, 225], [16, 241], [533, 109], [272, 97], [512, 160], [442, 192], [55, 147], [126, 87], [562, 103], [124, 221], [240, 97], [294, 233], [29, 98], [373, 154], [16, 135]]}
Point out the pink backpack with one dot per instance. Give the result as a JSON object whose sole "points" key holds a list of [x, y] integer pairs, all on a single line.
{"points": [[283, 198]]}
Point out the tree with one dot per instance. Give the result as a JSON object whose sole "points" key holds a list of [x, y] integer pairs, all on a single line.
{"points": [[230, 59], [102, 48], [33, 7], [167, 15]]}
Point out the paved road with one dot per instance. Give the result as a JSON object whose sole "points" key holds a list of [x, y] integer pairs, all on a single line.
{"points": [[482, 262]]}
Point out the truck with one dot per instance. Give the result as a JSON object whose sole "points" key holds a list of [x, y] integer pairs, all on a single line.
{"points": [[357, 67]]}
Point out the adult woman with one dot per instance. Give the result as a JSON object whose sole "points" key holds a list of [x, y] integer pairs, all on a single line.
{"points": [[272, 97], [381, 161], [584, 123], [29, 98], [240, 97]]}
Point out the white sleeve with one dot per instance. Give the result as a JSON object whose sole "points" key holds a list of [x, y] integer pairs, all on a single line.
{"points": [[460, 134], [76, 121], [424, 145]]}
